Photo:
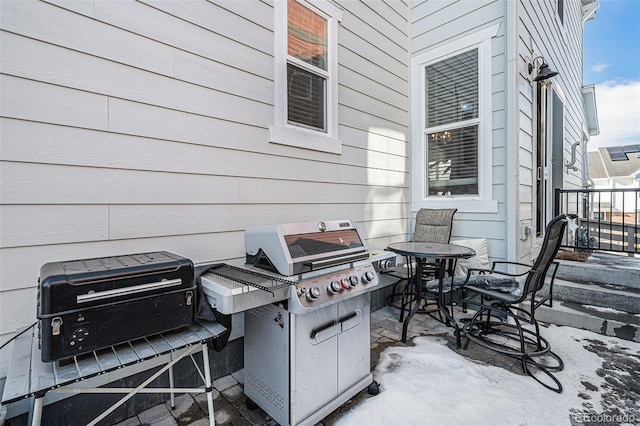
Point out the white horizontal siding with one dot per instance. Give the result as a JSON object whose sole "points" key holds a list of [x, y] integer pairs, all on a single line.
{"points": [[24, 225], [199, 248], [34, 225], [57, 145], [150, 132], [57, 26], [34, 101], [437, 22], [42, 61], [358, 44], [197, 16], [380, 139], [27, 183]]}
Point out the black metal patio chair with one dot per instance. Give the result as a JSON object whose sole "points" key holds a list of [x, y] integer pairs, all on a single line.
{"points": [[515, 297]]}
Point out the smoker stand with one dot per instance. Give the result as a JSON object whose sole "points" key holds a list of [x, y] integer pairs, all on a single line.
{"points": [[29, 377]]}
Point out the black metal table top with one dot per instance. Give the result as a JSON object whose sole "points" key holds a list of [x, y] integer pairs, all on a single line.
{"points": [[431, 250]]}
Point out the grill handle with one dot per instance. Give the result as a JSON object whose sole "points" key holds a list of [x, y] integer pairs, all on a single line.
{"points": [[125, 291], [319, 264], [333, 328]]}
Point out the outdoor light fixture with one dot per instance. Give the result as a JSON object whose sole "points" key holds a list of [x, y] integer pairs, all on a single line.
{"points": [[545, 72]]}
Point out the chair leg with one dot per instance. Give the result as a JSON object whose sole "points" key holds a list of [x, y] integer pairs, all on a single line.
{"points": [[523, 348], [487, 325], [524, 344], [537, 327], [471, 324], [463, 296]]}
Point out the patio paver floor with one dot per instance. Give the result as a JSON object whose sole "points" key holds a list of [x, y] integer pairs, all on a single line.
{"points": [[229, 403]]}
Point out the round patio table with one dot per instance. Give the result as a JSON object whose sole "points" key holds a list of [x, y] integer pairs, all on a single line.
{"points": [[440, 254]]}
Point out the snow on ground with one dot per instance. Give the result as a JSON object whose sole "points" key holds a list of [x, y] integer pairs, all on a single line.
{"points": [[430, 384]]}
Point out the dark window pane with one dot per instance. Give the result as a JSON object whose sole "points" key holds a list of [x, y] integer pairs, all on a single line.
{"points": [[561, 10], [452, 162], [451, 89], [305, 98]]}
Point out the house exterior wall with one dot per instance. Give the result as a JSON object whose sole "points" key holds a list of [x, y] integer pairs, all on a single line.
{"points": [[527, 29], [542, 33], [435, 25], [137, 126]]}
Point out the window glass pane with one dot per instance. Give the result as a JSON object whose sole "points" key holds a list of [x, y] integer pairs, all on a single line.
{"points": [[561, 10], [452, 161], [305, 98], [452, 89], [307, 39]]}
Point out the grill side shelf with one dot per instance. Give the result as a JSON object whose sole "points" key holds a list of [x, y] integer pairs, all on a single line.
{"points": [[260, 281]]}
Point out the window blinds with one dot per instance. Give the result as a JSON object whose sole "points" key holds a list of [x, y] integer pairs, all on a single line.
{"points": [[451, 119]]}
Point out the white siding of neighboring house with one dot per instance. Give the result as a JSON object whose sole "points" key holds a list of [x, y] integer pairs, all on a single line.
{"points": [[136, 126]]}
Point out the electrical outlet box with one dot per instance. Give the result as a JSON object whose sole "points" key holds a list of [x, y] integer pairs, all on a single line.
{"points": [[525, 230]]}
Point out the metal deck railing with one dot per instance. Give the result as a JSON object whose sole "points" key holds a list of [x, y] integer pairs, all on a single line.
{"points": [[606, 219]]}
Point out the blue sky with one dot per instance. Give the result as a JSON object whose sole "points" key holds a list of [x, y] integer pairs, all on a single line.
{"points": [[612, 43], [612, 63]]}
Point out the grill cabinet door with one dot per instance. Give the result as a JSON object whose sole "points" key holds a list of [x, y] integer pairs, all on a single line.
{"points": [[354, 356], [314, 372]]}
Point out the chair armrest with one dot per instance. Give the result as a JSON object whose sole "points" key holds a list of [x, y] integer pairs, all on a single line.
{"points": [[505, 262], [495, 271]]}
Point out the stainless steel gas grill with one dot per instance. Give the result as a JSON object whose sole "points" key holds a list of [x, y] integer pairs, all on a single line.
{"points": [[305, 292]]}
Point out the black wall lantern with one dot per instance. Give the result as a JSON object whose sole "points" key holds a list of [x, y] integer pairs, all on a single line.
{"points": [[544, 72]]}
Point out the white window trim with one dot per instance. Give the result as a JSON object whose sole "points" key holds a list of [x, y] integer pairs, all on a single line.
{"points": [[281, 132], [482, 202], [561, 23]]}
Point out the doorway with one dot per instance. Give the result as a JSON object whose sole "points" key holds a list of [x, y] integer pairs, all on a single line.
{"points": [[549, 151]]}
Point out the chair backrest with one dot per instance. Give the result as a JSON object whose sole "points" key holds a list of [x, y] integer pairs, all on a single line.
{"points": [[550, 246], [433, 225]]}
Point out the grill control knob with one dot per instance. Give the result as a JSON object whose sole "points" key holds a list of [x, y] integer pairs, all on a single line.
{"points": [[368, 277], [334, 287], [386, 264], [345, 283], [313, 293], [354, 281]]}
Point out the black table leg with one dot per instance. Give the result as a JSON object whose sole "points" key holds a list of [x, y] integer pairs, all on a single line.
{"points": [[442, 304], [418, 286]]}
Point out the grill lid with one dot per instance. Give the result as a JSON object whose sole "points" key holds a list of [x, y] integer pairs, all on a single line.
{"points": [[301, 247]]}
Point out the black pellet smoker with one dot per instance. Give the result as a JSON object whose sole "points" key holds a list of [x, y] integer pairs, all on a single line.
{"points": [[89, 304]]}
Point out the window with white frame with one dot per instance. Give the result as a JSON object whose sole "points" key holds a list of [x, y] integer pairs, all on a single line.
{"points": [[306, 101], [451, 107], [451, 125]]}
